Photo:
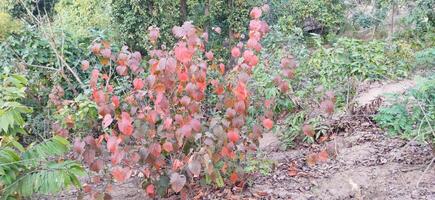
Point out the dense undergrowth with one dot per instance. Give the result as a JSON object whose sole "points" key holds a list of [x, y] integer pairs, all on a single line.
{"points": [[133, 86]]}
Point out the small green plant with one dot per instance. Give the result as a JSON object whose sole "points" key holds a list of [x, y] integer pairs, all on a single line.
{"points": [[259, 164], [24, 172], [411, 116], [12, 90]]}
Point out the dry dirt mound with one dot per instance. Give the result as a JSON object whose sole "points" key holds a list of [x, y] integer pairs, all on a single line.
{"points": [[379, 90], [368, 165]]}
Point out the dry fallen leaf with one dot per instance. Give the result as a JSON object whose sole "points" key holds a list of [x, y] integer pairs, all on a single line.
{"points": [[323, 156], [292, 170], [312, 159]]}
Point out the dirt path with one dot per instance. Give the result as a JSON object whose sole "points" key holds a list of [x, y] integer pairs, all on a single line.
{"points": [[368, 165]]}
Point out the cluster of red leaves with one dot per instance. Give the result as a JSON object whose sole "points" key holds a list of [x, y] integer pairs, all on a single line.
{"points": [[159, 127]]}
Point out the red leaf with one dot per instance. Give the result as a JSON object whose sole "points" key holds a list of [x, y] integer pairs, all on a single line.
{"points": [[125, 125], [195, 124], [255, 13], [235, 52], [150, 190], [222, 68], [327, 106], [177, 182], [268, 123], [107, 120], [167, 146], [112, 143], [155, 149], [233, 135], [121, 174], [167, 123], [234, 177], [182, 53], [79, 146], [138, 84], [115, 101], [117, 156], [240, 107], [97, 165], [323, 155], [177, 164]]}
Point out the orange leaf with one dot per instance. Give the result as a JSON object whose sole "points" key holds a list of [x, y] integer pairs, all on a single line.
{"points": [[121, 174], [234, 177], [323, 156], [159, 88], [311, 159], [268, 123]]}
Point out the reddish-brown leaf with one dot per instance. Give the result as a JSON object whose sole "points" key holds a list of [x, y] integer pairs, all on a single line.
{"points": [[112, 143], [89, 156], [97, 165], [311, 159], [155, 149], [308, 130], [79, 146], [125, 125], [323, 156], [117, 156], [121, 174]]}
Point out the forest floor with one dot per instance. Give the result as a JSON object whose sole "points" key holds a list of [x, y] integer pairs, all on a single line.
{"points": [[363, 163]]}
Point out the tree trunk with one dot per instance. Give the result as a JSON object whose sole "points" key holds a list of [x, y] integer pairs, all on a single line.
{"points": [[183, 11]]}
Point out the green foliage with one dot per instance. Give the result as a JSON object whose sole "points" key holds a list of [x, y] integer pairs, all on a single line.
{"points": [[133, 17], [425, 58], [8, 24], [82, 115], [292, 129], [422, 16], [259, 164], [12, 91], [329, 14], [349, 61], [24, 172], [80, 17], [411, 116]]}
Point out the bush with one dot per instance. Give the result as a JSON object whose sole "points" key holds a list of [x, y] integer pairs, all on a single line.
{"points": [[310, 15], [12, 91], [82, 17], [161, 123], [9, 25], [133, 18], [411, 116], [25, 171]]}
